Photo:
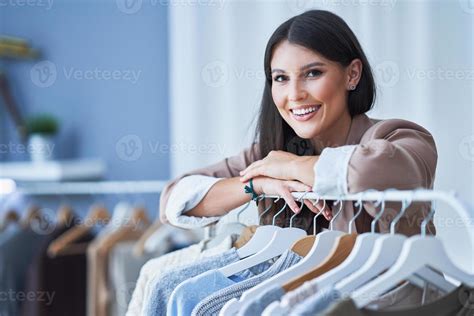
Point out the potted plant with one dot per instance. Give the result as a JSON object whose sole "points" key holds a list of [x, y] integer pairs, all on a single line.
{"points": [[41, 130]]}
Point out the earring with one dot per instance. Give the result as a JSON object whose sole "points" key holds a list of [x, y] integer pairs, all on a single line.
{"points": [[352, 87]]}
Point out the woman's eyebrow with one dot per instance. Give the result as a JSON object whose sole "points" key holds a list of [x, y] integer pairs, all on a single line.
{"points": [[317, 63]]}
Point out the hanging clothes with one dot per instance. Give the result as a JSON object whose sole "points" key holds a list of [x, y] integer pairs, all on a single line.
{"points": [[156, 267], [63, 276], [212, 304], [17, 248]]}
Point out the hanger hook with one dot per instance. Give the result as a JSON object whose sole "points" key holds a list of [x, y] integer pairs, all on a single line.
{"points": [[428, 218], [381, 200], [266, 211], [405, 204], [278, 213], [359, 211], [317, 215], [338, 212], [301, 198]]}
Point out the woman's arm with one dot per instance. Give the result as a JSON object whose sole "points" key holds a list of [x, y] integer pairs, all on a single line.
{"points": [[224, 196]]}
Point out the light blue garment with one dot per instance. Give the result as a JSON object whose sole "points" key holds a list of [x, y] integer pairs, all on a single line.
{"points": [[212, 304], [317, 303], [261, 301], [189, 293], [163, 286]]}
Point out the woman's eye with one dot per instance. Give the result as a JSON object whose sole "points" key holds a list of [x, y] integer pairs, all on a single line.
{"points": [[279, 78], [313, 73]]}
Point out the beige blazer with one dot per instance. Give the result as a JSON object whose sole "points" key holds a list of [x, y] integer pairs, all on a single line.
{"points": [[389, 154]]}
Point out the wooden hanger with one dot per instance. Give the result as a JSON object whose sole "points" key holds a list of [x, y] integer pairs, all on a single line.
{"points": [[9, 217], [139, 247], [97, 214], [65, 215], [136, 226], [246, 235], [340, 252]]}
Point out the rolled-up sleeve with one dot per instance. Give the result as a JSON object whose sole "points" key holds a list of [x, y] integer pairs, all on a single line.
{"points": [[185, 192], [392, 154]]}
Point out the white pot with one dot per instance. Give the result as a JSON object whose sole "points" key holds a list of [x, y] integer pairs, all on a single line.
{"points": [[41, 147]]}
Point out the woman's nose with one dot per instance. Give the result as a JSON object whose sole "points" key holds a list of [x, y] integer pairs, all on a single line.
{"points": [[296, 91]]}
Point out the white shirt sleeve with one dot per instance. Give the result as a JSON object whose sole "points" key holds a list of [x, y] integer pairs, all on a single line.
{"points": [[331, 170], [186, 194]]}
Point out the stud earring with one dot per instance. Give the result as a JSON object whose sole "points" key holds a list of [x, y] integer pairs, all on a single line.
{"points": [[352, 87]]}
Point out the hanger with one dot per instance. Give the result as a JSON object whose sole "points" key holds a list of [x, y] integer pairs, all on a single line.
{"points": [[303, 246], [234, 227], [10, 217], [98, 214], [363, 247], [121, 214], [65, 215], [138, 222], [139, 247], [418, 252], [281, 241], [33, 213], [320, 250], [385, 251], [340, 251], [262, 236]]}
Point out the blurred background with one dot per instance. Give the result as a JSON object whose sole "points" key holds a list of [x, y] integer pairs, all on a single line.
{"points": [[115, 90]]}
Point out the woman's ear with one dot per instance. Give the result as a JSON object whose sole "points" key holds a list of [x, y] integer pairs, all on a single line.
{"points": [[354, 72]]}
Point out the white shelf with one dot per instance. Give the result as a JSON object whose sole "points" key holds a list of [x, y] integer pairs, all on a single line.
{"points": [[59, 170]]}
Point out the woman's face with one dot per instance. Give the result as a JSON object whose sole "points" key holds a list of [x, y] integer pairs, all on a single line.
{"points": [[310, 91]]}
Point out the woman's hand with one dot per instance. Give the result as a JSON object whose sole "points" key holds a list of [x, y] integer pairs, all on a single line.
{"points": [[282, 165], [283, 188]]}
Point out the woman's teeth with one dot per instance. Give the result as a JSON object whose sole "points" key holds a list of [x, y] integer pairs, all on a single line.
{"points": [[305, 111]]}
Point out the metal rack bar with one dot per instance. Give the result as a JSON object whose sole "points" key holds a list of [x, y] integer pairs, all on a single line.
{"points": [[96, 187]]}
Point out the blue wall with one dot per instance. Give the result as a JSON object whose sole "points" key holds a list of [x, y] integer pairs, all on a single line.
{"points": [[90, 38]]}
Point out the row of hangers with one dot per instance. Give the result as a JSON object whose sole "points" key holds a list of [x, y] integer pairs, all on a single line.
{"points": [[123, 220], [356, 264]]}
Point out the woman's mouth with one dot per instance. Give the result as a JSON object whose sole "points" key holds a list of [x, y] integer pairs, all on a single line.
{"points": [[305, 113]]}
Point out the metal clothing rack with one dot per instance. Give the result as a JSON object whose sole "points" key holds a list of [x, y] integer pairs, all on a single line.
{"points": [[96, 187]]}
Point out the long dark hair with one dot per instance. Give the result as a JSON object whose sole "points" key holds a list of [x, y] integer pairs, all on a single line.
{"points": [[328, 35]]}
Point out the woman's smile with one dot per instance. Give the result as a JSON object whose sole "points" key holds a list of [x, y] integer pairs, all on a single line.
{"points": [[304, 113]]}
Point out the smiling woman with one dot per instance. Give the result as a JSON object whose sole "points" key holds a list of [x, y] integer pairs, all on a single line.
{"points": [[313, 134]]}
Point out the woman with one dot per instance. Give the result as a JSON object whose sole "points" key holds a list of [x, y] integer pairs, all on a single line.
{"points": [[313, 134]]}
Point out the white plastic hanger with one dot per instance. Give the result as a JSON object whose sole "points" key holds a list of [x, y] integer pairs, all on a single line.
{"points": [[385, 252], [262, 236], [281, 241], [418, 252], [363, 247], [322, 247]]}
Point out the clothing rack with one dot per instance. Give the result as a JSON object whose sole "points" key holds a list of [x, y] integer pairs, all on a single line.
{"points": [[96, 187]]}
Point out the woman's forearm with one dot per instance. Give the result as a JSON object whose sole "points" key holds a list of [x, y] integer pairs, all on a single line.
{"points": [[224, 196], [303, 169]]}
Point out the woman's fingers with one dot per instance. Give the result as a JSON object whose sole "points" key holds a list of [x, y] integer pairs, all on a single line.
{"points": [[326, 211], [296, 186], [290, 201]]}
